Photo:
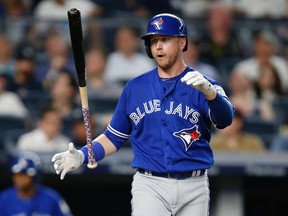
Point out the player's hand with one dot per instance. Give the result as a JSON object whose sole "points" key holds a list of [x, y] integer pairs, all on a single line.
{"points": [[198, 81], [68, 160]]}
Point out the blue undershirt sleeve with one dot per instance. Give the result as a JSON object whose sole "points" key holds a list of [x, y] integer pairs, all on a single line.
{"points": [[98, 151], [221, 111]]}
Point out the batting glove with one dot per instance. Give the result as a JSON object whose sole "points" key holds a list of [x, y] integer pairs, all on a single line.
{"points": [[198, 81], [68, 160]]}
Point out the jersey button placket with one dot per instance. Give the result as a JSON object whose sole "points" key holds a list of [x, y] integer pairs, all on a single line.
{"points": [[164, 125]]}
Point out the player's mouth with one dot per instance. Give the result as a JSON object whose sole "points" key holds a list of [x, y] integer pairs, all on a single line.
{"points": [[160, 56]]}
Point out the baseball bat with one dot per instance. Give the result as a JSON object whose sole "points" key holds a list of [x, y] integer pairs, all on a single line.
{"points": [[76, 36]]}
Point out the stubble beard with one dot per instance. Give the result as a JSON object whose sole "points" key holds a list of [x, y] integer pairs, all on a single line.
{"points": [[167, 64]]}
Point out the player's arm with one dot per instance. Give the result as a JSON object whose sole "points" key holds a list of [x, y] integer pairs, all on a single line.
{"points": [[104, 145], [221, 110]]}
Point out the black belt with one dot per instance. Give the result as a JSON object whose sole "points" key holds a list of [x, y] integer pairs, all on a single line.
{"points": [[178, 175]]}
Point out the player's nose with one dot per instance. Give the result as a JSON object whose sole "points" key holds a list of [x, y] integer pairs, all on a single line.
{"points": [[159, 45]]}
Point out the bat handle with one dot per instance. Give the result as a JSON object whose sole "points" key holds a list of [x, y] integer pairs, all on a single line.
{"points": [[91, 160]]}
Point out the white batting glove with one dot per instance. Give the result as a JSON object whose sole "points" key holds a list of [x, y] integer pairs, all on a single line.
{"points": [[68, 160], [198, 81]]}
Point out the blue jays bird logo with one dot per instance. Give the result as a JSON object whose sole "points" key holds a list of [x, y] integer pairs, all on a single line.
{"points": [[158, 23], [188, 136]]}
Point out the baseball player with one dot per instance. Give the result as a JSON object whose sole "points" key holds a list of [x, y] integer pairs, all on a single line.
{"points": [[167, 113], [28, 196]]}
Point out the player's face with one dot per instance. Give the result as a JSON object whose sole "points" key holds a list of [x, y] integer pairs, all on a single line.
{"points": [[166, 50], [23, 182]]}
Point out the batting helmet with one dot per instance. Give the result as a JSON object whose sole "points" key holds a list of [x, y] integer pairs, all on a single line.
{"points": [[28, 163], [165, 24]]}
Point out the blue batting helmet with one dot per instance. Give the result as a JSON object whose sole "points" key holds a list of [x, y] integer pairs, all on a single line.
{"points": [[28, 163], [165, 24]]}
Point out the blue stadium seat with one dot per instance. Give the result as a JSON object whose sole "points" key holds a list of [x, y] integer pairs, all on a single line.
{"points": [[9, 123], [266, 130], [281, 106], [102, 105]]}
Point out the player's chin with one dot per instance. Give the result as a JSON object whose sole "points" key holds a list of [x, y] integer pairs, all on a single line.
{"points": [[164, 64], [160, 60]]}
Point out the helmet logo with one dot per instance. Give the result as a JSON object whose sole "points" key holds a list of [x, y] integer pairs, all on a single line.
{"points": [[158, 23]]}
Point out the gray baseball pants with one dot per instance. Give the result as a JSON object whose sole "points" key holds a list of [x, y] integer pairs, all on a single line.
{"points": [[158, 196]]}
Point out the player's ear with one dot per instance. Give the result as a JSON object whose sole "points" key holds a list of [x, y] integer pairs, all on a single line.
{"points": [[183, 43]]}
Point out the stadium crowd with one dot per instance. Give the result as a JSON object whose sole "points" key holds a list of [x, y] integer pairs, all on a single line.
{"points": [[242, 44]]}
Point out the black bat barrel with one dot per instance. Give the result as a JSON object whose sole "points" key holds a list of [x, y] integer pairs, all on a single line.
{"points": [[76, 35]]}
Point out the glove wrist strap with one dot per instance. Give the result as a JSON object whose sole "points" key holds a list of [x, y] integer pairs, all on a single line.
{"points": [[98, 150]]}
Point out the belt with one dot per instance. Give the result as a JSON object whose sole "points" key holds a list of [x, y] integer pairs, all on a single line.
{"points": [[178, 175]]}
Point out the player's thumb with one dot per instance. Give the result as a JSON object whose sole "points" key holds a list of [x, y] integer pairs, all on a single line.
{"points": [[71, 148], [63, 173]]}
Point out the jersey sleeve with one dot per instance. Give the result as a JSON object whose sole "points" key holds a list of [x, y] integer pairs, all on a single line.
{"points": [[119, 129]]}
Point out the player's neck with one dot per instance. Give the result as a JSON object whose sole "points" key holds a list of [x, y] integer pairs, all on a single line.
{"points": [[173, 71]]}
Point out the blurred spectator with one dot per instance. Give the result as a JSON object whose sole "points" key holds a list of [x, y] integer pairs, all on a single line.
{"points": [[96, 60], [280, 142], [191, 9], [242, 96], [79, 132], [235, 139], [150, 8], [272, 9], [126, 61], [221, 46], [100, 90], [47, 136], [17, 8], [6, 59], [95, 36], [52, 14], [191, 58], [56, 58], [10, 103], [122, 8], [23, 81], [28, 196], [64, 95], [57, 9], [265, 46], [268, 86]]}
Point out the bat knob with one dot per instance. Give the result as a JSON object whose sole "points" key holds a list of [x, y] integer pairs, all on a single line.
{"points": [[92, 165]]}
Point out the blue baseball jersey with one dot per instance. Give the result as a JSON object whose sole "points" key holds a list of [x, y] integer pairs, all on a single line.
{"points": [[46, 202], [167, 121]]}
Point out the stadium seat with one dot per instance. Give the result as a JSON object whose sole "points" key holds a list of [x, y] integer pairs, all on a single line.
{"points": [[281, 106], [9, 123], [102, 105], [264, 129]]}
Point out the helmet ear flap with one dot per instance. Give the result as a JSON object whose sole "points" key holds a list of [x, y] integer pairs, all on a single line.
{"points": [[148, 48]]}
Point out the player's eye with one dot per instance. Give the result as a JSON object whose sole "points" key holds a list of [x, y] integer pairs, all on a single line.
{"points": [[165, 39], [153, 41]]}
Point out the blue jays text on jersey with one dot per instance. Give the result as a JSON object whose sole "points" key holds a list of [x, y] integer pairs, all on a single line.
{"points": [[168, 122], [155, 106]]}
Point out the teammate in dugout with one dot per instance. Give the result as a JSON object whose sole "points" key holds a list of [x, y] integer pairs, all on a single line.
{"points": [[28, 196], [168, 114]]}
